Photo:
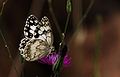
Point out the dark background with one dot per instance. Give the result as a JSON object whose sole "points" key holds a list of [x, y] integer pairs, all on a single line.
{"points": [[13, 20]]}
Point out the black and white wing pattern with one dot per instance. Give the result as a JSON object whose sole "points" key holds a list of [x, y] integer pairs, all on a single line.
{"points": [[38, 39]]}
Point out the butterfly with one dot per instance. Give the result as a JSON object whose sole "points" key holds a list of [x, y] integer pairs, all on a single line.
{"points": [[38, 39]]}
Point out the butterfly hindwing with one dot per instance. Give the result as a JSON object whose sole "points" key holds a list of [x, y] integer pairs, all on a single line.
{"points": [[23, 44]]}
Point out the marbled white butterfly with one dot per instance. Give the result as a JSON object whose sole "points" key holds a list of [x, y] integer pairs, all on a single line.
{"points": [[38, 39]]}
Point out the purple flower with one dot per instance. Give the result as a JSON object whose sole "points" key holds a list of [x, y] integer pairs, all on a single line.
{"points": [[52, 58]]}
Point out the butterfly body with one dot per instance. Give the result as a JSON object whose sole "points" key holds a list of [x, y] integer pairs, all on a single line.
{"points": [[38, 39]]}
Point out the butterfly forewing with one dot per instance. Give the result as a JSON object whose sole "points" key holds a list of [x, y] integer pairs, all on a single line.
{"points": [[47, 30], [40, 30], [30, 26]]}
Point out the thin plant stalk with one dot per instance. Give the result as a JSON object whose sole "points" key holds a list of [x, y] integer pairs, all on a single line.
{"points": [[5, 42], [86, 13], [9, 53], [79, 24], [3, 5], [96, 71], [57, 66]]}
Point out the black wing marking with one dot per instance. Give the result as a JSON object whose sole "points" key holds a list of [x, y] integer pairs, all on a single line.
{"points": [[30, 26], [38, 30], [47, 31], [23, 44]]}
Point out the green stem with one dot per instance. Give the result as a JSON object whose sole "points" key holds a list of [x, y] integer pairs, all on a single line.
{"points": [[96, 72], [59, 63]]}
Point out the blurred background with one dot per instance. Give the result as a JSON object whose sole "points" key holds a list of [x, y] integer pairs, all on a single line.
{"points": [[92, 37]]}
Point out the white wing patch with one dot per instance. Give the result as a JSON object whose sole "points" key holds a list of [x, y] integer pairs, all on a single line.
{"points": [[38, 39]]}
